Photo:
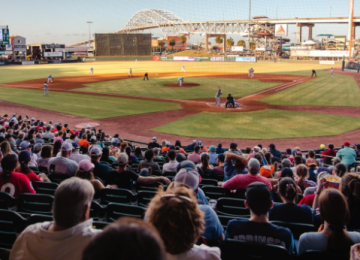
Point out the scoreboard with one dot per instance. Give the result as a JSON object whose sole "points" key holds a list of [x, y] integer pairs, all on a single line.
{"points": [[4, 35]]}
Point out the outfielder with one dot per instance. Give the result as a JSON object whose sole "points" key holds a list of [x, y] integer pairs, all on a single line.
{"points": [[217, 96], [181, 80], [251, 73], [183, 69], [332, 73], [50, 79], [130, 72], [91, 71], [46, 89]]}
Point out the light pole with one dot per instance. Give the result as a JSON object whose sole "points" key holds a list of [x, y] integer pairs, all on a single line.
{"points": [[89, 22], [249, 24]]}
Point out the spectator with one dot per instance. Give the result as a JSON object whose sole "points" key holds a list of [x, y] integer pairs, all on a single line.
{"points": [[12, 182], [84, 143], [10, 139], [297, 161], [190, 179], [138, 153], [123, 178], [38, 139], [329, 152], [101, 169], [149, 162], [247, 153], [153, 144], [241, 181], [127, 238], [179, 155], [230, 169], [58, 136], [157, 155], [105, 157], [93, 143], [75, 155], [115, 139], [62, 164], [219, 149], [311, 163], [303, 174], [258, 229], [24, 160], [45, 156], [191, 147], [233, 149], [6, 148], [203, 149], [288, 211], [340, 170], [350, 187], [48, 134], [20, 138], [26, 146], [195, 156], [123, 146], [37, 149], [132, 158], [357, 151], [85, 172], [172, 164], [177, 217], [212, 155], [347, 155], [166, 148], [71, 231], [274, 152], [204, 168], [56, 148], [333, 237], [178, 143], [219, 170]]}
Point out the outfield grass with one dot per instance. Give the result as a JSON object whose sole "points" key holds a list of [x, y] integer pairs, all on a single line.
{"points": [[155, 87], [90, 106], [265, 124], [321, 91]]}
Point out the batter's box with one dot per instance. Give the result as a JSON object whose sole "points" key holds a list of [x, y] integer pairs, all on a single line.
{"points": [[221, 105]]}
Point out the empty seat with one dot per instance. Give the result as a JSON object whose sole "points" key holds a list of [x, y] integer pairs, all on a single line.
{"points": [[144, 197], [116, 210], [215, 192], [296, 228], [170, 174], [117, 195], [35, 203], [6, 200], [58, 177], [150, 187], [38, 218], [96, 210], [11, 223], [45, 187], [208, 182], [232, 207]]}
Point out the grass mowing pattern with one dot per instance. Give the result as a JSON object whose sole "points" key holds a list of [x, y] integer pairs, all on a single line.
{"points": [[322, 91], [265, 124], [155, 87], [90, 106]]}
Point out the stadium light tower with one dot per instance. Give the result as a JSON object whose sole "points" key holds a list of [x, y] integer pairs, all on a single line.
{"points": [[89, 22]]}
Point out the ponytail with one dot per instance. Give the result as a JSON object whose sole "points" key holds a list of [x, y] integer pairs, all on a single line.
{"points": [[287, 188], [8, 165], [24, 167]]}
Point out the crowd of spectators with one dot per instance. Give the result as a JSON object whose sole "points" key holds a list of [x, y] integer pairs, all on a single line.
{"points": [[317, 187]]}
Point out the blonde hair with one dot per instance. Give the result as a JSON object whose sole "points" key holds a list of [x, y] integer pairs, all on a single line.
{"points": [[303, 173]]}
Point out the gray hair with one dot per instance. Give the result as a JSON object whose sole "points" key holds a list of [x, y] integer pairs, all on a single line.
{"points": [[286, 163], [72, 197]]}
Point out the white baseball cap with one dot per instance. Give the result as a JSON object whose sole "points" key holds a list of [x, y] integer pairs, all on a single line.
{"points": [[86, 165], [95, 151], [66, 146]]}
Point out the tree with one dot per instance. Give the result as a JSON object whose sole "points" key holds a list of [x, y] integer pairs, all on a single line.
{"points": [[183, 38], [241, 43], [218, 40], [172, 43], [252, 45], [161, 44], [230, 42]]}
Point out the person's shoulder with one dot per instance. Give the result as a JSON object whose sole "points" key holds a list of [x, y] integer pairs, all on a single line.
{"points": [[355, 237], [205, 252], [207, 209]]}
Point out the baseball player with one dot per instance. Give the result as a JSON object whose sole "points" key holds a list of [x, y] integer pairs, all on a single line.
{"points": [[146, 75], [313, 73], [135, 60], [217, 96], [46, 89], [332, 73], [183, 68], [181, 80], [251, 73], [50, 79], [91, 71], [130, 72]]}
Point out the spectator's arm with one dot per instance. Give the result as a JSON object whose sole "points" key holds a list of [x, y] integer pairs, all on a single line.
{"points": [[151, 180], [231, 156], [232, 183]]}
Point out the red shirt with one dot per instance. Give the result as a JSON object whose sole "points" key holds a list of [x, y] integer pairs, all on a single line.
{"points": [[31, 175], [307, 200], [328, 153], [18, 183], [241, 181]]}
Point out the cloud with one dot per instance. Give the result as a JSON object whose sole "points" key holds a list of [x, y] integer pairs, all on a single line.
{"points": [[48, 33]]}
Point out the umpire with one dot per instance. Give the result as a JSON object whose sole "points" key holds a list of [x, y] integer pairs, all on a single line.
{"points": [[146, 75]]}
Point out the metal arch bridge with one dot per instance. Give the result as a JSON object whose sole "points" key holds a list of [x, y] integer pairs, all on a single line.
{"points": [[170, 24]]}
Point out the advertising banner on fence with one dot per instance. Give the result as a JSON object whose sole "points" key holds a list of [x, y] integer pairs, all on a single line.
{"points": [[237, 48], [53, 54], [281, 30], [166, 58], [327, 62], [183, 58], [156, 58], [319, 53], [217, 59], [28, 62], [245, 59], [2, 62], [6, 52]]}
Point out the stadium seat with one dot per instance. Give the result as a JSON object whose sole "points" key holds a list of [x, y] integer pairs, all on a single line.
{"points": [[38, 218], [96, 210], [216, 192], [117, 195], [170, 174], [208, 182], [224, 220], [218, 177], [317, 255], [239, 194], [11, 223], [6, 200], [100, 224], [144, 197], [58, 177], [43, 169], [45, 187], [116, 210], [234, 249], [297, 229], [231, 207], [208, 242], [35, 203], [4, 253], [149, 187]]}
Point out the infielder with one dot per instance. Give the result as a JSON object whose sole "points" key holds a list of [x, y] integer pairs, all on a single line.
{"points": [[251, 73], [183, 69], [91, 71], [146, 75], [217, 97], [50, 79], [181, 80], [130, 72], [332, 73], [46, 89], [313, 73]]}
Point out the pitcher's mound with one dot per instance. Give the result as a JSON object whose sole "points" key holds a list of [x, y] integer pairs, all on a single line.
{"points": [[184, 85]]}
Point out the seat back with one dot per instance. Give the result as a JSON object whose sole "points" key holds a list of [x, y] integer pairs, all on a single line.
{"points": [[232, 207], [45, 187], [6, 200], [215, 192], [208, 182], [218, 177], [116, 210], [170, 174], [235, 249], [95, 209], [35, 203], [144, 197], [149, 187], [316, 255], [11, 223], [38, 218], [58, 177], [224, 220], [297, 229], [117, 196]]}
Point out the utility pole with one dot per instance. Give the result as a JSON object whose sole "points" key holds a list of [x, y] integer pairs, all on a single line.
{"points": [[249, 24], [89, 22]]}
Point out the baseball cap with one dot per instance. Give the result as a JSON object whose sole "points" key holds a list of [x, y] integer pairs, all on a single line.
{"points": [[233, 145], [93, 138], [167, 143], [275, 159], [154, 138], [221, 157], [25, 144], [322, 146], [310, 162], [189, 178], [200, 144], [172, 147], [75, 145], [286, 162], [204, 154], [122, 159], [258, 196], [266, 170], [95, 151], [7, 136], [272, 145], [66, 146], [346, 144], [194, 141], [212, 148], [286, 172], [85, 165], [37, 147], [24, 157], [254, 164]]}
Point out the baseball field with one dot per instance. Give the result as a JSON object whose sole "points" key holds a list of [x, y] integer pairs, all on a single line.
{"points": [[281, 104]]}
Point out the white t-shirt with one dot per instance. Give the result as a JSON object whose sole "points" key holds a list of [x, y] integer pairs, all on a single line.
{"points": [[63, 165], [170, 166], [201, 252], [37, 243], [75, 156]]}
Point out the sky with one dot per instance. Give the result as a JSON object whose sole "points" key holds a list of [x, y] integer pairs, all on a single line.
{"points": [[46, 21]]}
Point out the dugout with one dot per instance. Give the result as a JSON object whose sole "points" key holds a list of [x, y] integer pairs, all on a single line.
{"points": [[115, 44]]}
